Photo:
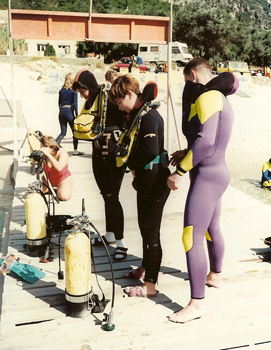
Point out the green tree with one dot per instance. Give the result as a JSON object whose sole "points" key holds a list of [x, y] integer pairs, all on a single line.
{"points": [[206, 30], [267, 49], [3, 40], [49, 50], [110, 51]]}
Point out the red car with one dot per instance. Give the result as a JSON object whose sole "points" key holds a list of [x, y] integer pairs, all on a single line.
{"points": [[127, 63]]}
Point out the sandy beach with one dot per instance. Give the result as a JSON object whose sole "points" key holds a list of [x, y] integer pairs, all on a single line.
{"points": [[37, 93]]}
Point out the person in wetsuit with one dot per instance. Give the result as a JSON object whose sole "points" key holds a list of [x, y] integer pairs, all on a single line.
{"points": [[107, 175], [56, 168], [150, 180], [266, 175], [207, 125], [68, 110]]}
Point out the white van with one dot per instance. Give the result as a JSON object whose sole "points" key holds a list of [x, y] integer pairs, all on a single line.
{"points": [[158, 53]]}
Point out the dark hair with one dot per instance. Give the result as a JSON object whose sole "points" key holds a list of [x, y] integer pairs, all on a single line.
{"points": [[195, 63], [121, 86], [77, 86]]}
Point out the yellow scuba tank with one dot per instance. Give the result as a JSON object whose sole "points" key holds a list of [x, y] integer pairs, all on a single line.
{"points": [[77, 273], [36, 239]]}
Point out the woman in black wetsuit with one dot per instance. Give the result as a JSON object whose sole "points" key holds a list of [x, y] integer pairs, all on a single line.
{"points": [[150, 181], [107, 175]]}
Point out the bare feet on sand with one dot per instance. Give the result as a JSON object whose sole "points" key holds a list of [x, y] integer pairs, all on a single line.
{"points": [[214, 279], [195, 309]]}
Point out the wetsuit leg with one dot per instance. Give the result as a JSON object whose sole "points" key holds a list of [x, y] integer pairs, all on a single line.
{"points": [[201, 212], [150, 207], [71, 123], [215, 241], [109, 178], [63, 126]]}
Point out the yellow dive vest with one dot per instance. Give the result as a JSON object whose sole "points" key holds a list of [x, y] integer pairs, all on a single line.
{"points": [[90, 123]]}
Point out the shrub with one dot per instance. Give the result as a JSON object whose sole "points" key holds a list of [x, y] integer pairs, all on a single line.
{"points": [[49, 50]]}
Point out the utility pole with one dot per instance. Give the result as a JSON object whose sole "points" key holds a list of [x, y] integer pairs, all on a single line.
{"points": [[89, 25], [14, 110], [169, 74]]}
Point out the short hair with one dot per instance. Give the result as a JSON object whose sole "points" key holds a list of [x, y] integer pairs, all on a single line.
{"points": [[111, 74], [69, 79], [195, 63], [50, 142], [122, 86], [78, 86]]}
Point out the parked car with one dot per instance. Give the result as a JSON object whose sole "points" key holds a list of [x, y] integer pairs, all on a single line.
{"points": [[127, 62], [233, 66]]}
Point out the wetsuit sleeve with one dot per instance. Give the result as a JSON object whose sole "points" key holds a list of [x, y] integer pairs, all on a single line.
{"points": [[148, 147], [206, 109], [59, 99]]}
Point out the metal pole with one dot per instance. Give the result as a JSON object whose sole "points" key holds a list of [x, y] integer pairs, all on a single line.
{"points": [[169, 75], [14, 110], [89, 26]]}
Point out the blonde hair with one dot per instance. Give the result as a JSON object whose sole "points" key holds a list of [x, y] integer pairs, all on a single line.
{"points": [[111, 75], [50, 142], [69, 79]]}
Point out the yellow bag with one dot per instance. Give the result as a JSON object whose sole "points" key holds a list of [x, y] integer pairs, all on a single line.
{"points": [[90, 123]]}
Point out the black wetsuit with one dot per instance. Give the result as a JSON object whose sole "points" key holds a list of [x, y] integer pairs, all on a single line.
{"points": [[152, 189], [107, 175]]}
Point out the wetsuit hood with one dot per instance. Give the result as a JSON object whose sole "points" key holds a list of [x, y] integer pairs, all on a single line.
{"points": [[226, 83], [85, 77]]}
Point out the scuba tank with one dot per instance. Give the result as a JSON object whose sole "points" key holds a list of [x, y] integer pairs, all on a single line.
{"points": [[36, 238], [77, 273], [80, 300]]}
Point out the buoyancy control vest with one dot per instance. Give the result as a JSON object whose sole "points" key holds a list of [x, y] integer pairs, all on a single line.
{"points": [[90, 123]]}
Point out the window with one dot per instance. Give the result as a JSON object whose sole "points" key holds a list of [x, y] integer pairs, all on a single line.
{"points": [[154, 49], [41, 47], [65, 49], [175, 49], [143, 49]]}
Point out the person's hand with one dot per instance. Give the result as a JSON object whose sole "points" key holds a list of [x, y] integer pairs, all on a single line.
{"points": [[177, 157], [46, 150], [172, 181]]}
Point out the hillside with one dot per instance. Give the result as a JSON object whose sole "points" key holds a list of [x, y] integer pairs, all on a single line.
{"points": [[253, 12]]}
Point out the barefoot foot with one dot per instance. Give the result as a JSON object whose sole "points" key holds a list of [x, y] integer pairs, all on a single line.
{"points": [[214, 279], [192, 311]]}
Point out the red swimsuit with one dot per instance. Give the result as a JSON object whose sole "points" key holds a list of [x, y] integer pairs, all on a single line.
{"points": [[54, 176]]}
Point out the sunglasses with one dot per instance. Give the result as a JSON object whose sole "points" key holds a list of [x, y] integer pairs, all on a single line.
{"points": [[5, 267]]}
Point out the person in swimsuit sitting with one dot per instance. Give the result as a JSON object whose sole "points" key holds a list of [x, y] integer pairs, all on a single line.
{"points": [[56, 168]]}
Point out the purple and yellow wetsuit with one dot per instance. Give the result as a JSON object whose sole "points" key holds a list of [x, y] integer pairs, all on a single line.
{"points": [[207, 125]]}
